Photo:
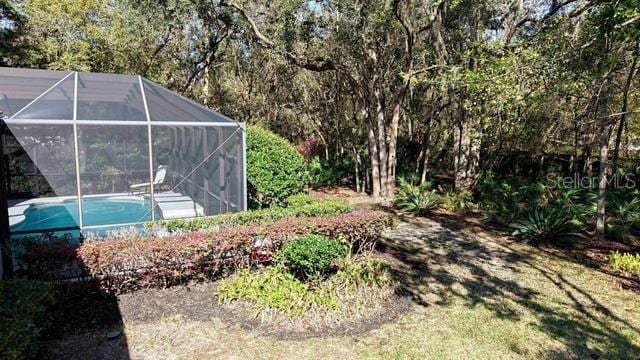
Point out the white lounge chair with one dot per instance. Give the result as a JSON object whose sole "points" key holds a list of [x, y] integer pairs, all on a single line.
{"points": [[161, 174]]}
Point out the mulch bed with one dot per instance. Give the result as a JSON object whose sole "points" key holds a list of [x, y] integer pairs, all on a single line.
{"points": [[197, 301]]}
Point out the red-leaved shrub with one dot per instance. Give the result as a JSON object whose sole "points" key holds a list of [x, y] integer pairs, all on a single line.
{"points": [[161, 261], [50, 262]]}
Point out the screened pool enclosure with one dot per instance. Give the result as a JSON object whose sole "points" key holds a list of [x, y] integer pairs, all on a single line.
{"points": [[87, 151]]}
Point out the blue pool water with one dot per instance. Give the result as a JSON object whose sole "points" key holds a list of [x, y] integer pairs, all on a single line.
{"points": [[96, 212]]}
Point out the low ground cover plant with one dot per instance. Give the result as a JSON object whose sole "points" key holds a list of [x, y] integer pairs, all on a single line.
{"points": [[23, 317], [355, 287], [418, 199], [124, 264], [546, 226], [456, 201], [276, 289], [625, 262]]}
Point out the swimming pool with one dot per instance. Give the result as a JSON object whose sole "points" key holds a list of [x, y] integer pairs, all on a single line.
{"points": [[49, 216]]}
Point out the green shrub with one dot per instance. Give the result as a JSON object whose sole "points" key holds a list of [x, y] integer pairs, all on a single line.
{"points": [[125, 263], [299, 200], [311, 256], [501, 201], [457, 201], [275, 170], [579, 204], [274, 288], [338, 171], [617, 232], [545, 226], [299, 205], [416, 199], [23, 317], [634, 219], [622, 204], [625, 262]]}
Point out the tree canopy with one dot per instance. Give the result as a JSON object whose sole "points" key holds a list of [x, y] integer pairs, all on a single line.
{"points": [[403, 88]]}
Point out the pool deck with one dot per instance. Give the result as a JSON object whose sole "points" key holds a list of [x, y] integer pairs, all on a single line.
{"points": [[171, 205]]}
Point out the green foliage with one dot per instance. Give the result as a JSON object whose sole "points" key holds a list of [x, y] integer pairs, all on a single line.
{"points": [[297, 206], [277, 289], [23, 315], [625, 262], [501, 201], [312, 256], [274, 288], [624, 205], [363, 272], [617, 232], [579, 204], [416, 199], [275, 170], [300, 200], [337, 171], [129, 262], [457, 201], [545, 226]]}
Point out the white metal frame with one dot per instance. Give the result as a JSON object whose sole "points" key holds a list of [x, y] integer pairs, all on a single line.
{"points": [[75, 149], [149, 123]]}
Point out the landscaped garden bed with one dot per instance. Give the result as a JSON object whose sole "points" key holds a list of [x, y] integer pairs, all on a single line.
{"points": [[125, 264]]}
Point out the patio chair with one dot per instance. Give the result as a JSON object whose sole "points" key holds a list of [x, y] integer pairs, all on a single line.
{"points": [[161, 175]]}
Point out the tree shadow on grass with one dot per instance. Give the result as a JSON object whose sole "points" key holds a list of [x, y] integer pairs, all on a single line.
{"points": [[440, 261]]}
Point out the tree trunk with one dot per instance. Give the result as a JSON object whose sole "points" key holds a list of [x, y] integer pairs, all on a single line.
{"points": [[602, 180], [467, 152], [623, 112], [393, 141], [382, 142], [603, 112], [426, 153], [373, 157], [356, 169]]}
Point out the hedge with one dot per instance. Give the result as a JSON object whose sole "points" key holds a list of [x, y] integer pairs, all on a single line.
{"points": [[275, 169], [23, 317], [299, 206], [160, 261]]}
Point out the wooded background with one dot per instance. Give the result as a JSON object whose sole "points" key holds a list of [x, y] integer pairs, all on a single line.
{"points": [[397, 87]]}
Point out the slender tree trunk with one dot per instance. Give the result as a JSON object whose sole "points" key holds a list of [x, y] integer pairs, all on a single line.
{"points": [[373, 157], [587, 151], [393, 141], [574, 157], [602, 180], [623, 111], [426, 152], [356, 169], [605, 129], [467, 151], [419, 160], [382, 142]]}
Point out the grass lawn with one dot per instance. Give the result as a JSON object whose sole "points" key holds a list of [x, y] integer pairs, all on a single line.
{"points": [[474, 294]]}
